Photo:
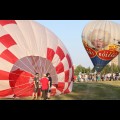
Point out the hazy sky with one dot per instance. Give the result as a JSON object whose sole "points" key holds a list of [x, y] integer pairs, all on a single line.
{"points": [[69, 32]]}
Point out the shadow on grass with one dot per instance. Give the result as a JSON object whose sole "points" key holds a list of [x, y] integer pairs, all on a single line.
{"points": [[91, 91]]}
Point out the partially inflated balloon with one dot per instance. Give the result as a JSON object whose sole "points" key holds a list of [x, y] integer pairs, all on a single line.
{"points": [[26, 48], [100, 39]]}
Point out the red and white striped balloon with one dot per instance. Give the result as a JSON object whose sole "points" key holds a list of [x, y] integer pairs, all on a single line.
{"points": [[26, 47]]}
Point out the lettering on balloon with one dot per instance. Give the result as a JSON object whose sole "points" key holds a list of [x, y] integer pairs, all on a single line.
{"points": [[107, 54], [92, 53]]}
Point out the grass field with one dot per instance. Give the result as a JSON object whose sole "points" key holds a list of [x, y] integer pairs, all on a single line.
{"points": [[106, 90]]}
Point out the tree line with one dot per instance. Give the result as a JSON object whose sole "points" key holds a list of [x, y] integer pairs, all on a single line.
{"points": [[107, 69]]}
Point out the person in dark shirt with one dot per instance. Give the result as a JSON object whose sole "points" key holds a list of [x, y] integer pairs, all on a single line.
{"points": [[50, 79], [36, 86]]}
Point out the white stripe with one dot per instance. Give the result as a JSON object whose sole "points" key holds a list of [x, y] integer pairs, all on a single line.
{"points": [[39, 33], [17, 51], [40, 38], [17, 35], [61, 45], [56, 60], [70, 87], [9, 96], [2, 48], [66, 86], [57, 92], [2, 31], [104, 25], [46, 35], [61, 77], [4, 84], [52, 40], [5, 65], [70, 74], [25, 29], [53, 87], [65, 64]]}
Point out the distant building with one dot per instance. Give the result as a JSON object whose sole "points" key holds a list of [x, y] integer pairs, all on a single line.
{"points": [[116, 60], [119, 60]]}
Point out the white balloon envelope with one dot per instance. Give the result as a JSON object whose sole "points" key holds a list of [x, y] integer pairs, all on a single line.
{"points": [[26, 48]]}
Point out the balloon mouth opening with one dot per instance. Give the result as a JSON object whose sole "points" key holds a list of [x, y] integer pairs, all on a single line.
{"points": [[25, 69]]}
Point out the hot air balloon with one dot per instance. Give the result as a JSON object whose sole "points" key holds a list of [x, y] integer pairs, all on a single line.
{"points": [[101, 41], [26, 48]]}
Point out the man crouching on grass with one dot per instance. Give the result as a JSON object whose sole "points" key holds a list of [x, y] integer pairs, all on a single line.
{"points": [[44, 86]]}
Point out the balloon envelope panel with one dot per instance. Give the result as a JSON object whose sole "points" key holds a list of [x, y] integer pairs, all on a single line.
{"points": [[101, 41], [26, 47]]}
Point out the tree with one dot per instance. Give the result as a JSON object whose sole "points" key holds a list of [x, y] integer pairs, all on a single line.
{"points": [[78, 70], [82, 69]]}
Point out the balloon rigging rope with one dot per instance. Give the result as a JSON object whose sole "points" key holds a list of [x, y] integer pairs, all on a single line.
{"points": [[48, 68], [21, 91], [51, 70], [21, 75], [25, 91], [36, 44], [23, 85]]}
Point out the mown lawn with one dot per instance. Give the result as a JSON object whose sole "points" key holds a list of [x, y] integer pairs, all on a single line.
{"points": [[106, 90]]}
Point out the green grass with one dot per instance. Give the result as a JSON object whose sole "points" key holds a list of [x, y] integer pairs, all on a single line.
{"points": [[106, 90]]}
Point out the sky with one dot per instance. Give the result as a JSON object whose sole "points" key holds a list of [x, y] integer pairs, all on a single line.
{"points": [[69, 32]]}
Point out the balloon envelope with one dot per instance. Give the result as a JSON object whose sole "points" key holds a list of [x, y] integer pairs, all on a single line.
{"points": [[100, 39], [26, 48]]}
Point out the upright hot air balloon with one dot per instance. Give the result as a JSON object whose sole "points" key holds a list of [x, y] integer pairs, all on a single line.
{"points": [[100, 39], [26, 48]]}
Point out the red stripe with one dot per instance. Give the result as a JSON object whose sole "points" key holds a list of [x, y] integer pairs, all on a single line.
{"points": [[66, 91], [55, 85], [23, 91], [5, 93], [26, 93], [4, 75], [7, 55], [7, 41], [69, 84], [60, 68], [20, 83], [61, 86], [69, 61], [72, 73], [60, 53], [53, 91], [5, 22], [66, 76], [50, 54]]}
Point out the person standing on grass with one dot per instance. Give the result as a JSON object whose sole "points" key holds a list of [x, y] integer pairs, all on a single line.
{"points": [[49, 89], [44, 86], [36, 86]]}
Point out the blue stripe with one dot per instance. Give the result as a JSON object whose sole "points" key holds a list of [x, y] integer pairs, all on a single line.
{"points": [[99, 64]]}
